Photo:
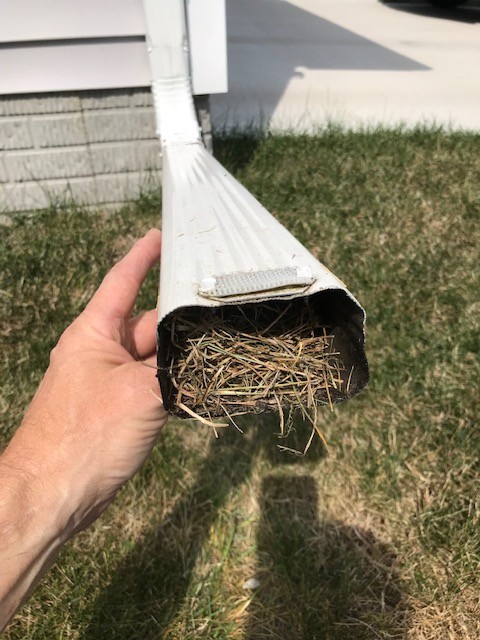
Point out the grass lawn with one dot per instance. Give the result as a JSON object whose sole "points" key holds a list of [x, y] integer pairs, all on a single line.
{"points": [[377, 538]]}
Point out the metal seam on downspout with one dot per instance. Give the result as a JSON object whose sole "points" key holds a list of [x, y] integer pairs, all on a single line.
{"points": [[167, 45], [175, 113]]}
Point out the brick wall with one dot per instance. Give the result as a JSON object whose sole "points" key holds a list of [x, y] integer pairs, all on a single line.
{"points": [[98, 147]]}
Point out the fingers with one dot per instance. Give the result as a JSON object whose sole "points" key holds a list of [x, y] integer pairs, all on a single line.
{"points": [[116, 296], [142, 331]]}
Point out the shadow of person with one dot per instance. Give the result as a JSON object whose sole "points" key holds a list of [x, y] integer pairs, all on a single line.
{"points": [[149, 586], [319, 579], [287, 451]]}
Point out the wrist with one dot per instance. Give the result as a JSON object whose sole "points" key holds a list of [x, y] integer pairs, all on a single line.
{"points": [[31, 534], [60, 491], [29, 504]]}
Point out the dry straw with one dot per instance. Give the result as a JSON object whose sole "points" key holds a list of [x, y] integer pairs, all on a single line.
{"points": [[234, 360]]}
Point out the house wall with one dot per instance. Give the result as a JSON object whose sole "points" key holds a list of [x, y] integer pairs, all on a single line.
{"points": [[68, 125], [98, 147]]}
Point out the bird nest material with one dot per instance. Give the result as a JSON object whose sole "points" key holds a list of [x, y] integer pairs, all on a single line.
{"points": [[233, 360]]}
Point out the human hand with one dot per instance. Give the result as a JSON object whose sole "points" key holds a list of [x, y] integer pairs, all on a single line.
{"points": [[90, 426], [94, 418]]}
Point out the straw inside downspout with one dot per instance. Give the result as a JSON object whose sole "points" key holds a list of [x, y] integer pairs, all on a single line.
{"points": [[253, 358]]}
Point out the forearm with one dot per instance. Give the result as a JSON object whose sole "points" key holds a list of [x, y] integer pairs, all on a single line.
{"points": [[89, 428], [33, 528]]}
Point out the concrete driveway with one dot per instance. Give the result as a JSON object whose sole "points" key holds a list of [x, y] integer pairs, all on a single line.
{"points": [[300, 63]]}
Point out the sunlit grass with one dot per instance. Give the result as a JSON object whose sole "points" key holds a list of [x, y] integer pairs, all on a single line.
{"points": [[378, 539]]}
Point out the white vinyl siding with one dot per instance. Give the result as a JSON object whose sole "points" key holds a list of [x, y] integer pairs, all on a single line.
{"points": [[71, 45]]}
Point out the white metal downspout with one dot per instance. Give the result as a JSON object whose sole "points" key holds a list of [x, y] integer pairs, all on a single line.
{"points": [[220, 245], [167, 45]]}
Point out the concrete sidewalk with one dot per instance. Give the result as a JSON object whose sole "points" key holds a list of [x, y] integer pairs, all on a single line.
{"points": [[300, 63]]}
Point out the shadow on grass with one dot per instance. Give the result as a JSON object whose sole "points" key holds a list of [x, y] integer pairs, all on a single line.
{"points": [[319, 579], [236, 148], [147, 592], [149, 587]]}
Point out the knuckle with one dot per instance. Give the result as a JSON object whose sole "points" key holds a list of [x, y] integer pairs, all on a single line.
{"points": [[56, 353], [62, 348], [58, 350]]}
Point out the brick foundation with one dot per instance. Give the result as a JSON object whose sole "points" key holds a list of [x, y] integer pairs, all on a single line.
{"points": [[98, 147]]}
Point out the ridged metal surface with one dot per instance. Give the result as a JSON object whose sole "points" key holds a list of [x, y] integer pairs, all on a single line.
{"points": [[175, 112], [214, 227]]}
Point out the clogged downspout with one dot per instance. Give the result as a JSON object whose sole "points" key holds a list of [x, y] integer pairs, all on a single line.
{"points": [[220, 245]]}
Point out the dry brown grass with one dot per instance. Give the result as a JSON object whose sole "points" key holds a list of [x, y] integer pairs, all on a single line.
{"points": [[378, 540], [236, 360]]}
